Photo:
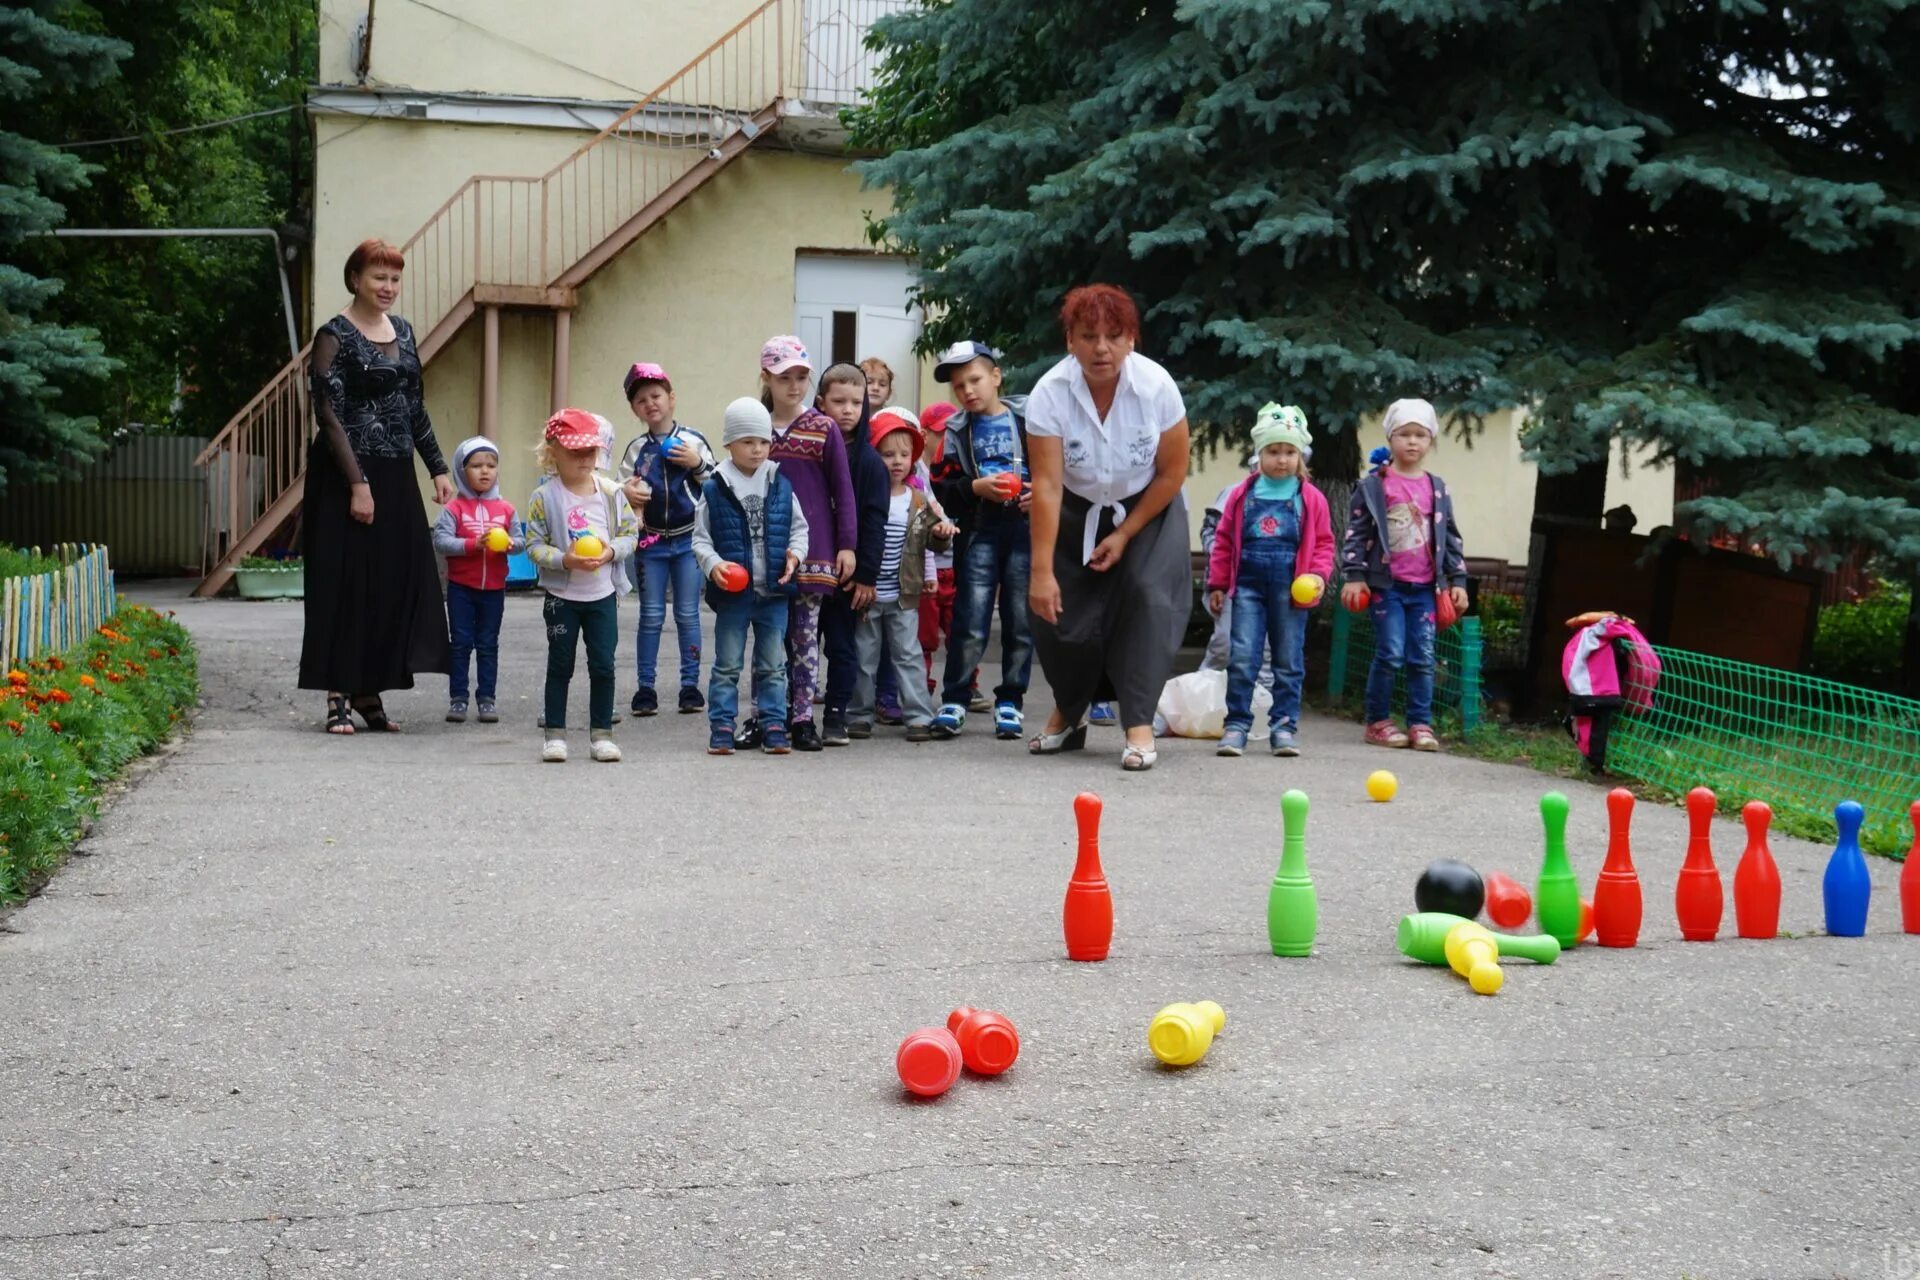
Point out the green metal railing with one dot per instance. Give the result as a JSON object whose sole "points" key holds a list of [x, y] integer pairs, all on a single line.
{"points": [[1457, 660], [1800, 743]]}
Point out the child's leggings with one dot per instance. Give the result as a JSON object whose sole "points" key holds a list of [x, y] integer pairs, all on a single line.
{"points": [[567, 621]]}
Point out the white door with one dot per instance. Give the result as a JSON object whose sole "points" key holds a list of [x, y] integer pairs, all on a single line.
{"points": [[851, 308]]}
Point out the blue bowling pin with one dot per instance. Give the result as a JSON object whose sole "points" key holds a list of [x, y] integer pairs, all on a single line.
{"points": [[1846, 886]]}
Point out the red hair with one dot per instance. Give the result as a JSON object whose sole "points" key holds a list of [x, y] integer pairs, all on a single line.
{"points": [[1102, 306], [373, 252]]}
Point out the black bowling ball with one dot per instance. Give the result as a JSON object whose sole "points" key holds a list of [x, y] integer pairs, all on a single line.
{"points": [[1451, 886]]}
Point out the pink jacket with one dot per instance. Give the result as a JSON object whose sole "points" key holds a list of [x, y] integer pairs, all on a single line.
{"points": [[1316, 537]]}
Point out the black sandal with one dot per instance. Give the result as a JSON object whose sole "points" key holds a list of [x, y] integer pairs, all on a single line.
{"points": [[375, 714], [339, 719]]}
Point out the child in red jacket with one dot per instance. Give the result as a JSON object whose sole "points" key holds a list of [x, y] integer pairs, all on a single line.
{"points": [[1274, 531], [476, 534]]}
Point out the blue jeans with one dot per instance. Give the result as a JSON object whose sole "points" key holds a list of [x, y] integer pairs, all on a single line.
{"points": [[996, 556], [473, 624], [1402, 637], [768, 617], [1264, 615], [668, 565]]}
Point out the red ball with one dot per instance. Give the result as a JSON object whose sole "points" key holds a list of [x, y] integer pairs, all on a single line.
{"points": [[734, 577], [1366, 599]]}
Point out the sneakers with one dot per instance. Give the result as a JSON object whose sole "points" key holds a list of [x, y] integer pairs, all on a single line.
{"points": [[605, 751], [1385, 733], [1422, 738], [888, 712], [749, 736], [645, 702], [690, 699], [1007, 722], [1104, 713], [456, 711], [805, 736], [833, 730], [1281, 740], [489, 714], [952, 718], [1232, 743], [773, 739], [859, 730], [919, 733], [979, 701], [720, 741], [555, 752]]}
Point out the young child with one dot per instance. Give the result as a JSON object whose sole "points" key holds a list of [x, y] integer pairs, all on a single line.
{"points": [[936, 602], [476, 573], [1273, 529], [812, 455], [573, 502], [985, 443], [843, 397], [663, 470], [748, 519], [879, 383], [1402, 544], [911, 526]]}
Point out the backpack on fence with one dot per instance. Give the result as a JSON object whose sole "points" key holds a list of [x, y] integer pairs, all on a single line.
{"points": [[1608, 666]]}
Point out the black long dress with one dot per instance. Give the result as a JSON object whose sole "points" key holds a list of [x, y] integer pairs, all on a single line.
{"points": [[375, 616]]}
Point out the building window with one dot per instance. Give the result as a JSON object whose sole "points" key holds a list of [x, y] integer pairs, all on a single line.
{"points": [[846, 329]]}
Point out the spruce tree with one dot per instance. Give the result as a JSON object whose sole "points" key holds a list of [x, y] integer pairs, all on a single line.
{"points": [[1688, 223], [38, 438]]}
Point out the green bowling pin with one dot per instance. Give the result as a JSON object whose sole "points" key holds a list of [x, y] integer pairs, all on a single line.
{"points": [[1293, 913], [1423, 937], [1556, 897]]}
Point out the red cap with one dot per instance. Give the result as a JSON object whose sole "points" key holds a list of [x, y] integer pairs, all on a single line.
{"points": [[574, 429]]}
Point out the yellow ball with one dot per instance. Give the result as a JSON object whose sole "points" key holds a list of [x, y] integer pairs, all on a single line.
{"points": [[497, 540], [588, 547], [1382, 785], [1306, 588]]}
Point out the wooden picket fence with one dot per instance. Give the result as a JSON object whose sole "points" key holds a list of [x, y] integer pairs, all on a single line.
{"points": [[56, 611]]}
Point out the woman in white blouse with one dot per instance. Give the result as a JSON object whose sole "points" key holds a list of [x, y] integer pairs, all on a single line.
{"points": [[1112, 583]]}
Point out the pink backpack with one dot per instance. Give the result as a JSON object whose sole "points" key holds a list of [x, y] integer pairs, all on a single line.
{"points": [[1607, 665]]}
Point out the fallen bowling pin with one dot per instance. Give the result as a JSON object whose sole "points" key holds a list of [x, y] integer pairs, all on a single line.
{"points": [[1474, 955], [928, 1061], [1181, 1034], [988, 1042], [1508, 902], [1423, 937]]}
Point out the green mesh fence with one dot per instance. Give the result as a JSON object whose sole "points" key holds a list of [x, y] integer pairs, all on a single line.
{"points": [[1799, 743], [1457, 658]]}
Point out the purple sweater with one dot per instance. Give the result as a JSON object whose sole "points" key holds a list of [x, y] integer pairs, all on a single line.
{"points": [[813, 457]]}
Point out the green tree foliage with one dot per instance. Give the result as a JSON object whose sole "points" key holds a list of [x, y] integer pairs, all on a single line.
{"points": [[41, 360], [1691, 223], [197, 324]]}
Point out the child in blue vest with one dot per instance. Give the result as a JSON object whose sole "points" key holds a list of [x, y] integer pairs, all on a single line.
{"points": [[748, 521]]}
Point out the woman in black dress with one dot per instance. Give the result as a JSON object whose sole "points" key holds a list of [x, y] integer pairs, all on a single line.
{"points": [[375, 616]]}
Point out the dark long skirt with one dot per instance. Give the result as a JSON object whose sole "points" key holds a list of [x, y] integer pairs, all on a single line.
{"points": [[1120, 628], [375, 616]]}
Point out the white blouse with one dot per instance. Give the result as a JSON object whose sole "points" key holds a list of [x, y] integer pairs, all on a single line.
{"points": [[1106, 461]]}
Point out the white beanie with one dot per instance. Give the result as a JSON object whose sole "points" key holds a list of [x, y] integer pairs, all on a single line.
{"points": [[746, 419], [1411, 413]]}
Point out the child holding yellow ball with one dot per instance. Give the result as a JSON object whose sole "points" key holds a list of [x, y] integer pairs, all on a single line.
{"points": [[1271, 555], [474, 533]]}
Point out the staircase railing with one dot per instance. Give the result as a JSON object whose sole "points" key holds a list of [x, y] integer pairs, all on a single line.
{"points": [[511, 240]]}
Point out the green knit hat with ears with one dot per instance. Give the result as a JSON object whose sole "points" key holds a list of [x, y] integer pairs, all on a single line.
{"points": [[1281, 424]]}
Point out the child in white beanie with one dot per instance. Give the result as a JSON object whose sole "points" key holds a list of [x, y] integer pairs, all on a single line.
{"points": [[1403, 556], [749, 536]]}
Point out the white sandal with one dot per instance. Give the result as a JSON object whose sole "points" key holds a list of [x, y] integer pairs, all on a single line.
{"points": [[1138, 759]]}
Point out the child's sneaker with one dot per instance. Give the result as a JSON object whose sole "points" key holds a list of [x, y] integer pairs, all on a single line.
{"points": [[1006, 721], [1385, 733], [605, 750], [773, 740], [805, 736], [456, 711], [1281, 740], [950, 721], [859, 730], [978, 701], [919, 733], [1422, 738], [833, 730], [1232, 743], [555, 752], [690, 699], [888, 712], [1104, 713], [489, 714], [645, 702], [749, 736], [720, 741]]}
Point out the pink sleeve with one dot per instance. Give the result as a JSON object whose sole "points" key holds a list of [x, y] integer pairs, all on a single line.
{"points": [[1220, 555], [1321, 563]]}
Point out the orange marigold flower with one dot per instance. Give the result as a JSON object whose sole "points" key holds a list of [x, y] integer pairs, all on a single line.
{"points": [[16, 676], [87, 681], [54, 725], [17, 727], [116, 677], [56, 664], [61, 695], [152, 652]]}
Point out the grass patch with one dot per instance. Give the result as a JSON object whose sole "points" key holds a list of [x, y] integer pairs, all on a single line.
{"points": [[15, 563], [70, 723]]}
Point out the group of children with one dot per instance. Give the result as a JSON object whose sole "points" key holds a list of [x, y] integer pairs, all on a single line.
{"points": [[848, 537]]}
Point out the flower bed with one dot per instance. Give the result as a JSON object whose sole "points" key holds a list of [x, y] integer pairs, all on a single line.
{"points": [[69, 723]]}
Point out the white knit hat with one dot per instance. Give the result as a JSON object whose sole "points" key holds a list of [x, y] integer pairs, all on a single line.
{"points": [[746, 419], [1411, 413]]}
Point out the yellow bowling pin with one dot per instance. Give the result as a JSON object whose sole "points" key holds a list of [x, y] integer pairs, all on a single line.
{"points": [[1475, 956], [1181, 1034]]}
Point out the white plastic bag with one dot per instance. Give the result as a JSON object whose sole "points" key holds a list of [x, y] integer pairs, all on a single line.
{"points": [[1195, 705]]}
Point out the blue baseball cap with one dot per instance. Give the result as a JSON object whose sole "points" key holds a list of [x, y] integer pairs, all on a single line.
{"points": [[961, 353]]}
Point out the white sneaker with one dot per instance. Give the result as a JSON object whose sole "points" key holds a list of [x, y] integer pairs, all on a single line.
{"points": [[605, 750], [555, 752]]}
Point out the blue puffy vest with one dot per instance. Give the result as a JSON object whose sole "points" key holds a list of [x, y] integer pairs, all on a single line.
{"points": [[727, 525]]}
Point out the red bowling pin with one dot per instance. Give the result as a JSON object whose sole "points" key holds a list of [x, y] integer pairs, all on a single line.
{"points": [[1698, 899], [1508, 902], [1756, 881], [988, 1041], [1616, 895], [1910, 877], [1089, 909]]}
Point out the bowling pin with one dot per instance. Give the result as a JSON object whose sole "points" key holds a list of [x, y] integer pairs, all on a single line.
{"points": [[1508, 902], [1181, 1034], [988, 1042], [1557, 894], [1423, 937], [1698, 899], [1846, 886], [1616, 895], [1910, 877], [928, 1061], [1293, 912], [1472, 953], [1088, 915], [1756, 881]]}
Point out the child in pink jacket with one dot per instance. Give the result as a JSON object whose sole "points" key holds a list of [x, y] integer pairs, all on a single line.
{"points": [[1273, 531]]}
